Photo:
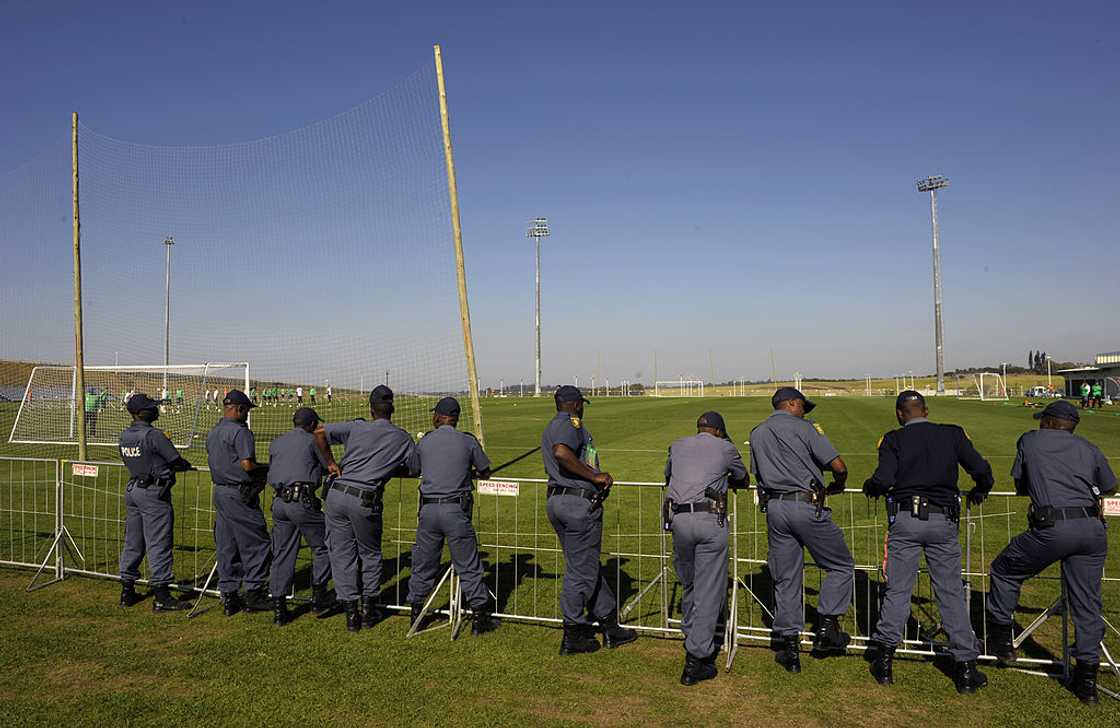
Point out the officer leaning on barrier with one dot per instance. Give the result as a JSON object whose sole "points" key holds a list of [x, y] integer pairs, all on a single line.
{"points": [[788, 455], [917, 472], [698, 472], [240, 532], [447, 461], [376, 451], [1065, 477], [152, 462], [576, 490], [295, 472]]}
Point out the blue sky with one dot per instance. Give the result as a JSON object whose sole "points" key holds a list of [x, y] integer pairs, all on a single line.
{"points": [[718, 176]]}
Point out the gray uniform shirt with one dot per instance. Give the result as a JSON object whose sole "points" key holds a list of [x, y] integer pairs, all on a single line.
{"points": [[228, 443], [294, 458], [564, 429], [1060, 469], [700, 462], [146, 451], [445, 458], [788, 453], [375, 450]]}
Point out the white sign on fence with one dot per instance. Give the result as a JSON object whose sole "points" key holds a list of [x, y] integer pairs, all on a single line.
{"points": [[1112, 506], [498, 487], [83, 470]]}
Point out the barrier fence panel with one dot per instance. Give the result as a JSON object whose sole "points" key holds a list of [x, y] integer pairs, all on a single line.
{"points": [[28, 511]]}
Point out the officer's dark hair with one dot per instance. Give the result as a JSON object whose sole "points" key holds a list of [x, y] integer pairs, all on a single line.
{"points": [[1057, 423], [382, 409], [568, 406], [147, 415]]}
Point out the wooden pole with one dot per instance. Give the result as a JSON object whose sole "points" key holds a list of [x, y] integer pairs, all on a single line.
{"points": [[457, 234], [79, 353]]}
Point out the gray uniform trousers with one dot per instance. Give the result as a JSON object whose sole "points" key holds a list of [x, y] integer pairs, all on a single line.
{"points": [[792, 526], [289, 522], [439, 521], [148, 527], [700, 559], [586, 597], [1081, 544], [353, 536], [241, 538], [907, 538]]}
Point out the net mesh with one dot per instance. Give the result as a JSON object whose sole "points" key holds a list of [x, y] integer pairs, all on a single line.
{"points": [[322, 256]]}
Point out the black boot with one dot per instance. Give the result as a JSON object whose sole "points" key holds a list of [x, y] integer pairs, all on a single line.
{"points": [[321, 600], [615, 635], [829, 639], [967, 678], [371, 612], [353, 616], [256, 600], [1000, 642], [280, 613], [789, 653], [483, 621], [578, 638], [162, 601], [128, 594], [697, 669], [414, 615], [231, 603], [1084, 683], [882, 667]]}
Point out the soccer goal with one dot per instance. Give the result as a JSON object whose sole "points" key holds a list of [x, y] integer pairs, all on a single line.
{"points": [[679, 388], [50, 409], [991, 386]]}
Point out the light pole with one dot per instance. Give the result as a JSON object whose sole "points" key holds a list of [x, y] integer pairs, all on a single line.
{"points": [[932, 185], [1049, 375], [167, 243], [538, 229]]}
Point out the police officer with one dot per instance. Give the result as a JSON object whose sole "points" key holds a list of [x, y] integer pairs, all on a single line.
{"points": [[698, 472], [918, 468], [576, 489], [788, 455], [240, 533], [447, 461], [152, 462], [376, 451], [295, 472], [1065, 477]]}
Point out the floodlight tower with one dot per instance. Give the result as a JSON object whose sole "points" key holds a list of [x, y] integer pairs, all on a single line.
{"points": [[932, 185], [538, 229], [167, 243]]}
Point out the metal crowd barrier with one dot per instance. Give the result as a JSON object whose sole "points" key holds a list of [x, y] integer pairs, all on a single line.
{"points": [[67, 518]]}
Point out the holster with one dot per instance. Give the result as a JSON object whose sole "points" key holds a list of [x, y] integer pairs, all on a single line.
{"points": [[249, 491], [164, 485], [919, 508], [667, 514], [1041, 516], [763, 500], [371, 499], [720, 499]]}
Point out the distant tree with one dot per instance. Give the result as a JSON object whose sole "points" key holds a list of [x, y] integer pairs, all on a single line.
{"points": [[1030, 360]]}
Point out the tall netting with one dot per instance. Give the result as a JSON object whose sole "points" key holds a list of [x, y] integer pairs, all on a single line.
{"points": [[323, 257]]}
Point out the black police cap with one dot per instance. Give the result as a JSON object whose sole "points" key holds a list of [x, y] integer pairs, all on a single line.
{"points": [[909, 395], [714, 420], [238, 398], [305, 416], [568, 393], [448, 407], [139, 402], [784, 394], [381, 395], [1061, 410]]}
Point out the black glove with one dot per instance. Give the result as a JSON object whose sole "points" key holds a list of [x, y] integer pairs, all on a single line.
{"points": [[834, 488], [249, 491], [976, 496], [871, 489]]}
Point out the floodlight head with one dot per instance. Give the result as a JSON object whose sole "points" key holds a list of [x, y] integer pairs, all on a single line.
{"points": [[929, 184], [169, 240], [538, 228]]}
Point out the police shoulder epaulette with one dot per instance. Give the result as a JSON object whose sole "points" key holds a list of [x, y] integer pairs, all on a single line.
{"points": [[816, 426]]}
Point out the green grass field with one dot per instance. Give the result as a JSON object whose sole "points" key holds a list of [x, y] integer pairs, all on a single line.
{"points": [[69, 654]]}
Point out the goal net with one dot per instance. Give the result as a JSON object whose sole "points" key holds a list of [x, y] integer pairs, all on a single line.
{"points": [[190, 396], [991, 386], [323, 255], [679, 388]]}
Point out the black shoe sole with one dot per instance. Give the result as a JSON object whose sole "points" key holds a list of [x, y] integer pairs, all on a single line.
{"points": [[579, 651], [612, 644]]}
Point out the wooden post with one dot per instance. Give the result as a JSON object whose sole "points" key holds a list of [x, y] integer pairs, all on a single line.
{"points": [[457, 234], [79, 353]]}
